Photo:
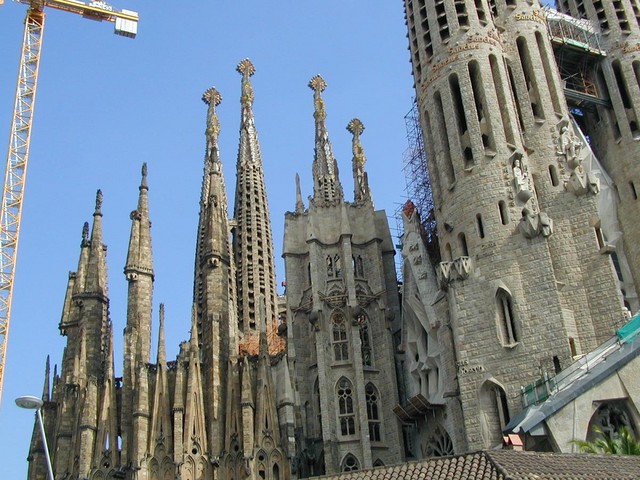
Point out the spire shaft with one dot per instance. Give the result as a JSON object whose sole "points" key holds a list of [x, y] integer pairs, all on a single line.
{"points": [[253, 244], [327, 189]]}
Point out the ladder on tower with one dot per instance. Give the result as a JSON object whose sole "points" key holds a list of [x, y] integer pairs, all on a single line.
{"points": [[126, 24]]}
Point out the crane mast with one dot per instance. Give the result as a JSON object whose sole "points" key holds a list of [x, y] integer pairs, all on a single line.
{"points": [[20, 137]]}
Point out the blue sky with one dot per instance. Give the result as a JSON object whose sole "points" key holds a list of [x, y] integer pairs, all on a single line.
{"points": [[106, 104]]}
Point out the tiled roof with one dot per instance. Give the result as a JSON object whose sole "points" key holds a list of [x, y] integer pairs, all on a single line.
{"points": [[568, 466], [508, 465], [471, 466]]}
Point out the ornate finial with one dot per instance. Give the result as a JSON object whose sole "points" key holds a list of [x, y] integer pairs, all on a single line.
{"points": [[143, 182], [85, 233], [212, 98], [356, 127], [361, 192], [317, 84], [246, 69], [98, 202]]}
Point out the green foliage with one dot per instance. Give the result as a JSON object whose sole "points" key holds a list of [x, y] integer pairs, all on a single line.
{"points": [[620, 443]]}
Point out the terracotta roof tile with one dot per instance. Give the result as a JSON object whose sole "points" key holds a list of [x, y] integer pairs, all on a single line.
{"points": [[508, 465]]}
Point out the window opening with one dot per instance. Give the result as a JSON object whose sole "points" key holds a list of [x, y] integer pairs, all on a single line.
{"points": [[440, 124], [350, 464], [500, 89], [553, 175], [462, 243], [504, 212], [340, 338], [529, 78], [480, 225], [346, 414], [373, 412], [505, 317]]}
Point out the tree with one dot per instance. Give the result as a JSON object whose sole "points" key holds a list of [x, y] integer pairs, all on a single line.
{"points": [[622, 442]]}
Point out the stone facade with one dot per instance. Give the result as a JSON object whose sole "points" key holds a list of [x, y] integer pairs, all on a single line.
{"points": [[343, 303], [247, 396], [522, 285]]}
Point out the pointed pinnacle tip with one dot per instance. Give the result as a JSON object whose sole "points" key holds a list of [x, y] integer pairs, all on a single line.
{"points": [[317, 84], [355, 126], [212, 95], [246, 68], [98, 201]]}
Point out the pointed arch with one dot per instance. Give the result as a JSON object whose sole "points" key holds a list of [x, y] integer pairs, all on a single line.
{"points": [[372, 398], [349, 463], [346, 409], [505, 318], [494, 412], [378, 463], [339, 336]]}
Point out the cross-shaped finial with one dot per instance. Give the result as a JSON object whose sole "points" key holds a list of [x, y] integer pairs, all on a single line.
{"points": [[317, 84], [212, 95], [246, 68], [356, 127]]}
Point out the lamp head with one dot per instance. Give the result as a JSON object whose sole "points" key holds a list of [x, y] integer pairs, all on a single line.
{"points": [[30, 402]]}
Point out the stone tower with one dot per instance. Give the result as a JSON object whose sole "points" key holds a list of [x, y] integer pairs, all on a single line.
{"points": [[614, 129], [522, 284], [252, 240], [343, 304], [224, 407]]}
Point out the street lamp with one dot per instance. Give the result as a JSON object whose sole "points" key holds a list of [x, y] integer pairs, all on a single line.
{"points": [[34, 403]]}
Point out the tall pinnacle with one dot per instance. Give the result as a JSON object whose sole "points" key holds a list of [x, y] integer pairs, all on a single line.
{"points": [[361, 191], [327, 189], [139, 273], [212, 157], [96, 279], [253, 245]]}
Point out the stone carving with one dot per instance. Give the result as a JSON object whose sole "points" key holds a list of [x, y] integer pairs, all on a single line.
{"points": [[569, 146], [577, 183], [246, 69], [521, 179], [356, 127], [462, 268], [317, 84], [531, 224], [443, 273]]}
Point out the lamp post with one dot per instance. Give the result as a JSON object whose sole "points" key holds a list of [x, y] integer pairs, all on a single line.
{"points": [[34, 403]]}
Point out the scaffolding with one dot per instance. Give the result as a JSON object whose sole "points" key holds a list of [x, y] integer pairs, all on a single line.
{"points": [[577, 49], [418, 185]]}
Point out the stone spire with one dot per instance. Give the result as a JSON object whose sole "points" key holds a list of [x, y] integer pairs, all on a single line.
{"points": [[361, 191], [253, 245], [214, 297], [139, 273], [299, 202], [327, 189], [96, 279], [46, 390]]}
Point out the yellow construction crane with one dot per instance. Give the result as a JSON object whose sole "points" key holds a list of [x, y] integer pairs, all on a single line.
{"points": [[126, 24]]}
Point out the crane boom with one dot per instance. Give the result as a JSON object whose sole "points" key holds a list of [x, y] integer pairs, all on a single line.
{"points": [[126, 24], [16, 170]]}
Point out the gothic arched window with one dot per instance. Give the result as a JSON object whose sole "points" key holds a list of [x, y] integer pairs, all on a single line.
{"points": [[350, 464], [373, 412], [505, 319], [339, 337], [346, 413]]}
